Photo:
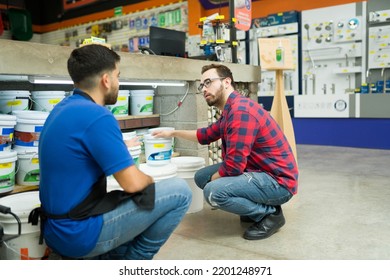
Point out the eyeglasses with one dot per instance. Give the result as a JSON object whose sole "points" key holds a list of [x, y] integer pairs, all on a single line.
{"points": [[207, 83]]}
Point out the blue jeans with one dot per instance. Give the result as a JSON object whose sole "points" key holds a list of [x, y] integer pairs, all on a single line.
{"points": [[252, 194], [130, 233]]}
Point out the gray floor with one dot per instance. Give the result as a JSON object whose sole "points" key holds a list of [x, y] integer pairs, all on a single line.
{"points": [[340, 213]]}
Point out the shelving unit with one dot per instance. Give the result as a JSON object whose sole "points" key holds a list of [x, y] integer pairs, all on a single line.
{"points": [[133, 122]]}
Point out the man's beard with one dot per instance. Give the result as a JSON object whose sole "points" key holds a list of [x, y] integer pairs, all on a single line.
{"points": [[111, 97], [215, 101]]}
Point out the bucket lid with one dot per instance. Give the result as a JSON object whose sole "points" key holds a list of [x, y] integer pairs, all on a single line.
{"points": [[7, 119], [30, 115], [149, 137], [141, 92], [25, 150], [160, 128], [166, 170], [188, 162], [21, 204], [124, 92], [8, 156], [48, 93], [8, 93]]}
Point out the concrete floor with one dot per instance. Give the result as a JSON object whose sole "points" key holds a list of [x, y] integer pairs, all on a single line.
{"points": [[341, 212]]}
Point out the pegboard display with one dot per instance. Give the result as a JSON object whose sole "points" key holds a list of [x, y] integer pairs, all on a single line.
{"points": [[126, 32], [333, 49], [379, 47]]}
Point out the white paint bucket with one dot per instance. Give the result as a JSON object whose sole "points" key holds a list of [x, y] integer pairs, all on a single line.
{"points": [[158, 151], [134, 151], [163, 128], [11, 100], [26, 246], [29, 125], [186, 169], [7, 171], [28, 171], [7, 128], [46, 100], [141, 102], [121, 107], [159, 173]]}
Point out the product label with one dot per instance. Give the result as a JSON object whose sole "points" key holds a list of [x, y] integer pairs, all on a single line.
{"points": [[14, 103], [165, 155], [7, 180], [54, 101], [27, 138], [32, 176]]}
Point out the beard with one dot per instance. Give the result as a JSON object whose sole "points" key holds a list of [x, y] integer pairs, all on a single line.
{"points": [[216, 99], [111, 97]]}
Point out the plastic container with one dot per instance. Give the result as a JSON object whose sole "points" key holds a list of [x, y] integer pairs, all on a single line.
{"points": [[163, 128], [159, 173], [7, 171], [26, 246], [186, 169], [121, 107], [29, 125], [141, 102], [46, 100], [28, 171], [7, 128], [158, 151], [11, 100]]}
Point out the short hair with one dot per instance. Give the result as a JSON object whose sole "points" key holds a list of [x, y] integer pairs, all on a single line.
{"points": [[222, 71], [87, 63]]}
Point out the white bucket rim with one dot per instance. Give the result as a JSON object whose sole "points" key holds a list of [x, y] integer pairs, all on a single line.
{"points": [[8, 156], [188, 162], [48, 93], [30, 114], [7, 118], [159, 171], [142, 92], [12, 93], [148, 137], [21, 200]]}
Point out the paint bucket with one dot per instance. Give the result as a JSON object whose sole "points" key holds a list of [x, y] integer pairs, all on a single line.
{"points": [[159, 173], [164, 128], [141, 102], [7, 171], [28, 171], [158, 151], [186, 169], [11, 100], [135, 151], [29, 125], [7, 128], [46, 100], [121, 107], [25, 246]]}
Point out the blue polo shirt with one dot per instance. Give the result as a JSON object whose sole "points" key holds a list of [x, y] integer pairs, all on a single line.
{"points": [[79, 142]]}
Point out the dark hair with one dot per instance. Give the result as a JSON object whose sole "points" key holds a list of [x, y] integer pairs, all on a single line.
{"points": [[222, 71], [90, 61]]}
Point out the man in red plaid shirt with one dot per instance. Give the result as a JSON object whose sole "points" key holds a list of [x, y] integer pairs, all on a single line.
{"points": [[258, 172]]}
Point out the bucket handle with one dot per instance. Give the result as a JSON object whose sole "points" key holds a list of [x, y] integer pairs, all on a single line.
{"points": [[18, 165], [33, 101]]}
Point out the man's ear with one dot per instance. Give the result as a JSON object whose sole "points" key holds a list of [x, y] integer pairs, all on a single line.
{"points": [[105, 80]]}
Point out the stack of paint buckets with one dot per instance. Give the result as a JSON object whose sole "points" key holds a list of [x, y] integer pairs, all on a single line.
{"points": [[161, 165], [19, 163], [29, 125]]}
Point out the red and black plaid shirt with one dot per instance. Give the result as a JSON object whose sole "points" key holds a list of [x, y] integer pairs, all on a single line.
{"points": [[252, 141]]}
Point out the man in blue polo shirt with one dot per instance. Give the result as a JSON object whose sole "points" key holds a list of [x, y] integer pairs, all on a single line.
{"points": [[81, 143]]}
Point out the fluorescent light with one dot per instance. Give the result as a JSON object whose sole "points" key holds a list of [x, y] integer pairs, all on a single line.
{"points": [[153, 83], [67, 81], [50, 80]]}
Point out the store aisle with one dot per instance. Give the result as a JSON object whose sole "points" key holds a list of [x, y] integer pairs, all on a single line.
{"points": [[341, 212]]}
